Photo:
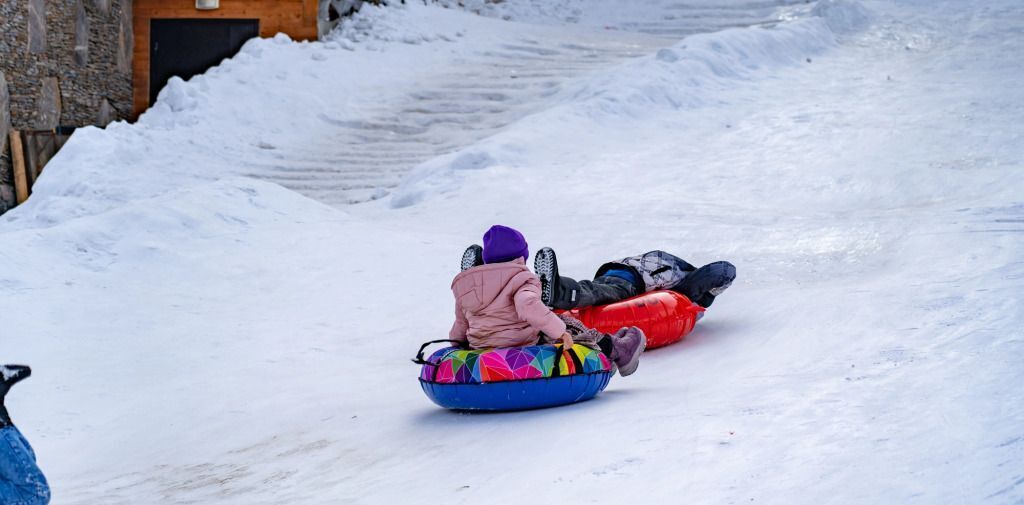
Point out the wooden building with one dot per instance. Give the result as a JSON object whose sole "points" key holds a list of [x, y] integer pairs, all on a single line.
{"points": [[179, 37]]}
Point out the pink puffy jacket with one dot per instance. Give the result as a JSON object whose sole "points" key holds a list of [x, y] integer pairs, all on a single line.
{"points": [[498, 305]]}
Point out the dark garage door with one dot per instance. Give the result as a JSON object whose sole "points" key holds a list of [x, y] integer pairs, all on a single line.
{"points": [[186, 47]]}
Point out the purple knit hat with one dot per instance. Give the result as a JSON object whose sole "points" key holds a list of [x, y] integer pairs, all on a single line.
{"points": [[502, 243]]}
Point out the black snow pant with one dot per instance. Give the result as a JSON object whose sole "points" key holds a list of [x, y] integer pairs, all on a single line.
{"points": [[600, 291], [699, 286]]}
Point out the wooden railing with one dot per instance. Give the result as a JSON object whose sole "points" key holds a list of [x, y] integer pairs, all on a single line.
{"points": [[30, 151]]}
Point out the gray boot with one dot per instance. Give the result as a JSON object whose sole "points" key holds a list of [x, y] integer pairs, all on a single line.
{"points": [[627, 345]]}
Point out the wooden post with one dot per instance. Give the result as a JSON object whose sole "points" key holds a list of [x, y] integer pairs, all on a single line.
{"points": [[28, 158], [20, 176]]}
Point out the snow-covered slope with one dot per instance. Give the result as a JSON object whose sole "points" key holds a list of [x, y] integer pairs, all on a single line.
{"points": [[200, 336]]}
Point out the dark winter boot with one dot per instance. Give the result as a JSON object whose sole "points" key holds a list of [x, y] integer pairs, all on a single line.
{"points": [[472, 257], [545, 265], [9, 376], [702, 285]]}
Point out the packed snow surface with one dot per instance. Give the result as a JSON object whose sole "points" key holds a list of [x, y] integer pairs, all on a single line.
{"points": [[210, 319]]}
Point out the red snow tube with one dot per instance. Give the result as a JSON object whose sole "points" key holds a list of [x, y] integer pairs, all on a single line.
{"points": [[664, 316]]}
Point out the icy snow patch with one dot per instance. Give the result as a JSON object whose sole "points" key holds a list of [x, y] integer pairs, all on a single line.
{"points": [[842, 16]]}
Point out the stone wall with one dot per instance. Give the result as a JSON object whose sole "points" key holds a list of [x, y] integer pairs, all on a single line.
{"points": [[64, 62], [6, 177]]}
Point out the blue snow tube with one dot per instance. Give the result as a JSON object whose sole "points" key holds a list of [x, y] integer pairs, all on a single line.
{"points": [[514, 378]]}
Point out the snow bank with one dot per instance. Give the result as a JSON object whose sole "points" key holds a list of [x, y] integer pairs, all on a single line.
{"points": [[688, 75], [143, 233]]}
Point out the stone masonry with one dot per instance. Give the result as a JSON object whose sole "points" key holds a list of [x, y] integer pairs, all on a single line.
{"points": [[62, 63]]}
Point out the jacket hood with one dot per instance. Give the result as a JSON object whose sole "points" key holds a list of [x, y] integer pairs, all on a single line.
{"points": [[480, 286]]}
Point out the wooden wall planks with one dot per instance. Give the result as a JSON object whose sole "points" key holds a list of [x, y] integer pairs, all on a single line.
{"points": [[297, 18]]}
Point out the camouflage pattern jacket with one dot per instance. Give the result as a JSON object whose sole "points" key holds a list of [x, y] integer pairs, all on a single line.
{"points": [[654, 270]]}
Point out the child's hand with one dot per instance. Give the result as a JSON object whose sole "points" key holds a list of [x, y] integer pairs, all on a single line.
{"points": [[567, 341]]}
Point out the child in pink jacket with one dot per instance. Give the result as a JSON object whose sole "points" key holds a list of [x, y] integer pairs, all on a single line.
{"points": [[498, 304]]}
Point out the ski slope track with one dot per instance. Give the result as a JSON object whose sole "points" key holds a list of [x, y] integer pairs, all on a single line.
{"points": [[219, 301]]}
